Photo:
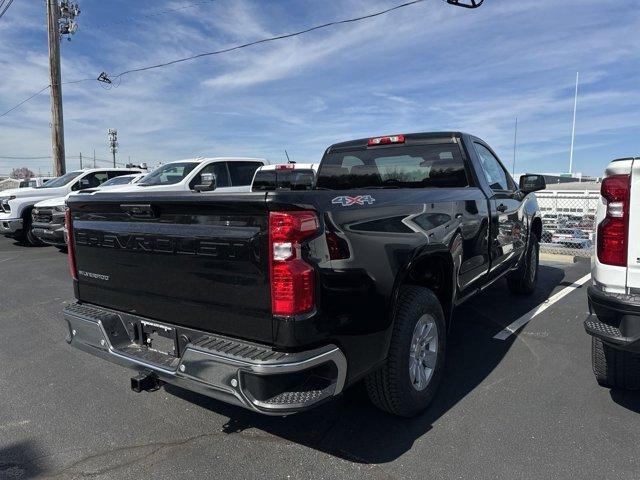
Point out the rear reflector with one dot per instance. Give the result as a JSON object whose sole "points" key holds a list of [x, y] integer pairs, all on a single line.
{"points": [[292, 279], [71, 245], [386, 140], [613, 231]]}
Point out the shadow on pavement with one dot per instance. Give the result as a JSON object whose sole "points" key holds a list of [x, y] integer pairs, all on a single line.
{"points": [[352, 429], [22, 460]]}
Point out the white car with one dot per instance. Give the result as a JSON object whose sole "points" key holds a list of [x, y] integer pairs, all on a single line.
{"points": [[47, 217], [16, 204], [614, 295], [231, 174]]}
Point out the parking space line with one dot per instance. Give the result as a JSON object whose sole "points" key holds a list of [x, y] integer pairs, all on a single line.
{"points": [[527, 317]]}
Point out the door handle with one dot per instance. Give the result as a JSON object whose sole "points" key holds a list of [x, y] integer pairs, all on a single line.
{"points": [[501, 208]]}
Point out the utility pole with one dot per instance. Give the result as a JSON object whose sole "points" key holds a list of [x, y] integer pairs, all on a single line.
{"points": [[59, 22], [113, 143], [573, 127], [80, 160], [57, 127], [94, 158]]}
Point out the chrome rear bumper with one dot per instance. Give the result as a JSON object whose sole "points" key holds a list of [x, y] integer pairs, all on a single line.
{"points": [[241, 373]]}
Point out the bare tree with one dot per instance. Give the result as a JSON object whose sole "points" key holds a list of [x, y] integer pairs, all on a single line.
{"points": [[22, 172]]}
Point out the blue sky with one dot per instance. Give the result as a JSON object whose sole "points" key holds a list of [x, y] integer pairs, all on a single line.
{"points": [[426, 67]]}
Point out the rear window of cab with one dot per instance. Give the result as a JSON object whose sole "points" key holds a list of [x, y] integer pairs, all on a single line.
{"points": [[416, 166]]}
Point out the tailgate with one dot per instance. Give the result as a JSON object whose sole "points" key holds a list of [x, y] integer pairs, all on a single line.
{"points": [[193, 260]]}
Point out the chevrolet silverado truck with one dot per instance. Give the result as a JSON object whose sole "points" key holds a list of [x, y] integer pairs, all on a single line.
{"points": [[614, 295], [278, 300]]}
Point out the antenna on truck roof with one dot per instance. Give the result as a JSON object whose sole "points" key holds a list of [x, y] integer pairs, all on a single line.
{"points": [[288, 159]]}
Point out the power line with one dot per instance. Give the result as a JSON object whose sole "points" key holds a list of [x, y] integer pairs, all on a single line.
{"points": [[24, 101], [71, 82], [5, 8], [270, 39], [138, 18], [104, 77]]}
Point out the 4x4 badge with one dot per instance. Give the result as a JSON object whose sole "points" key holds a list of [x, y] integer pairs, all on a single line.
{"points": [[346, 201]]}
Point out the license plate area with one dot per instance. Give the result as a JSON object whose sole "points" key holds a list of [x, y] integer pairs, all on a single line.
{"points": [[159, 338]]}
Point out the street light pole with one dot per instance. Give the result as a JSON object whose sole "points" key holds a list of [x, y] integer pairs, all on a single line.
{"points": [[573, 127]]}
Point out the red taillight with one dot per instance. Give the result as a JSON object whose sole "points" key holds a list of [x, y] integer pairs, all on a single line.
{"points": [[613, 231], [292, 279], [286, 166], [71, 246], [386, 140]]}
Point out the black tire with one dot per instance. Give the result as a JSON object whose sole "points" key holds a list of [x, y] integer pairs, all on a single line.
{"points": [[615, 368], [390, 388], [524, 279], [27, 237]]}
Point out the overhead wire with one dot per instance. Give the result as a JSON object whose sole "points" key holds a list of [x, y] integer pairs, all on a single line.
{"points": [[137, 18], [270, 39], [106, 79], [6, 7]]}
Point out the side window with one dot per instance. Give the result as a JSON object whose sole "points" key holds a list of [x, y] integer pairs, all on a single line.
{"points": [[493, 170], [92, 180], [242, 172], [114, 174], [219, 169]]}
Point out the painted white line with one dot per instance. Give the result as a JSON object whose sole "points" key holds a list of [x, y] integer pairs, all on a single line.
{"points": [[527, 317]]}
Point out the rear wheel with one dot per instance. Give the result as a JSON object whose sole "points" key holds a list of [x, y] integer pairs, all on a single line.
{"points": [[615, 368], [407, 382], [524, 279]]}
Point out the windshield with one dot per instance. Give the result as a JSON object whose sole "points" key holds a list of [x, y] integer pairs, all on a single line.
{"points": [[419, 166], [61, 181], [169, 174], [121, 180]]}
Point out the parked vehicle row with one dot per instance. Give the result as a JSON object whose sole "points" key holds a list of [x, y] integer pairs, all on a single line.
{"points": [[48, 216], [280, 298], [289, 283], [35, 214]]}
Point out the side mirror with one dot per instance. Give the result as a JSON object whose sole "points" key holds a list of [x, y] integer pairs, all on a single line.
{"points": [[207, 183], [532, 183]]}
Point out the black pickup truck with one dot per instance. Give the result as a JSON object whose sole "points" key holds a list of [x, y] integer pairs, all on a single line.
{"points": [[279, 299]]}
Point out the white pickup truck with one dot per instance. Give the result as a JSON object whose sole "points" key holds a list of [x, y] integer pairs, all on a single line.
{"points": [[614, 296], [231, 174], [16, 204]]}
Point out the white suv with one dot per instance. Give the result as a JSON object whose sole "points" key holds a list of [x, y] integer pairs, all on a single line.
{"points": [[614, 295]]}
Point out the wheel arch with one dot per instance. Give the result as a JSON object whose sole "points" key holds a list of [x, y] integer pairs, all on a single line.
{"points": [[536, 227], [434, 268]]}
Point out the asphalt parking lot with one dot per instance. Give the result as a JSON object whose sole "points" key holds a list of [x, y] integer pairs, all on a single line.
{"points": [[523, 407]]}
